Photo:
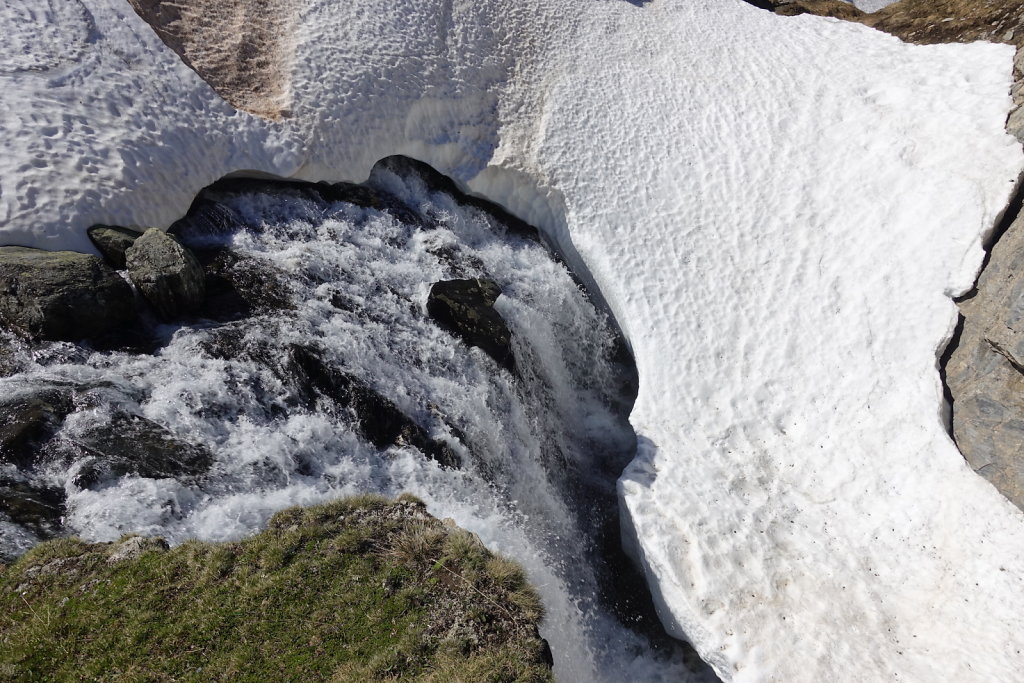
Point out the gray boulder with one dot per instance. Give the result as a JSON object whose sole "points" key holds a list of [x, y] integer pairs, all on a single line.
{"points": [[113, 242], [166, 273], [985, 373], [61, 295]]}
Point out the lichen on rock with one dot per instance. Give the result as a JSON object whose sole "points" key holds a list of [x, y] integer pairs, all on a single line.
{"points": [[166, 273], [61, 295]]}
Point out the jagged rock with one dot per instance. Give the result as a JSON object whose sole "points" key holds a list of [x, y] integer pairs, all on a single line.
{"points": [[466, 309], [113, 242], [1015, 121], [379, 420], [985, 374], [27, 421], [61, 295], [130, 444], [166, 273]]}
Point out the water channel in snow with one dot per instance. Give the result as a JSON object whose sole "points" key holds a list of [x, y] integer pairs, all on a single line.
{"points": [[540, 447]]}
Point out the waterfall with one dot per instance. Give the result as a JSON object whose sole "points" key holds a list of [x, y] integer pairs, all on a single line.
{"points": [[340, 277]]}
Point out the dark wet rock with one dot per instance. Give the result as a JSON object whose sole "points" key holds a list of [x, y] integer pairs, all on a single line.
{"points": [[39, 508], [206, 221], [166, 273], [466, 309], [130, 444], [238, 286], [322, 193], [61, 295], [28, 421], [113, 242], [407, 167], [379, 420]]}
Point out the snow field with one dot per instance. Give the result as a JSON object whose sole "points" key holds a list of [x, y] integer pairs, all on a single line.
{"points": [[777, 211]]}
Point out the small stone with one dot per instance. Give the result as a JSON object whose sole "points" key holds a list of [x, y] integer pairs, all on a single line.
{"points": [[132, 547], [166, 273]]}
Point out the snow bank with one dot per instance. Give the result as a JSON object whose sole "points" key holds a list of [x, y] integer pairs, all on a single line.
{"points": [[776, 209]]}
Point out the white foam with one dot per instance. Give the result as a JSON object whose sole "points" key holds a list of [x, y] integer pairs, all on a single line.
{"points": [[776, 209], [540, 452]]}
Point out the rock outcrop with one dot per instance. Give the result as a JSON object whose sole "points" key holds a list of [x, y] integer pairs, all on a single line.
{"points": [[466, 309], [61, 295], [38, 508], [166, 273], [380, 421], [130, 444], [985, 373]]}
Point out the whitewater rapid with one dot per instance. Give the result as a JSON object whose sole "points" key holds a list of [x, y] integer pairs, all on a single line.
{"points": [[540, 450]]}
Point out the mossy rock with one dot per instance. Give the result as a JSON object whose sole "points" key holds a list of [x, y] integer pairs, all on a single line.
{"points": [[61, 295], [362, 589]]}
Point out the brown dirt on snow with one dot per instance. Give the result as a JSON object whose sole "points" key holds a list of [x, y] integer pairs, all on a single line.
{"points": [[244, 49]]}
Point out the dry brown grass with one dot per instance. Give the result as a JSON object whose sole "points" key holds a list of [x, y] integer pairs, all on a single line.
{"points": [[923, 21]]}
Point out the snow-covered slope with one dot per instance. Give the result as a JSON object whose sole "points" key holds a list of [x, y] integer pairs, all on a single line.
{"points": [[776, 209]]}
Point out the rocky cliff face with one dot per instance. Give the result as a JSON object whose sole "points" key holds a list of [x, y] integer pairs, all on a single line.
{"points": [[985, 372]]}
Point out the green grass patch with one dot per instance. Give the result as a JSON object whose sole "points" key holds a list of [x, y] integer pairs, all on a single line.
{"points": [[363, 589]]}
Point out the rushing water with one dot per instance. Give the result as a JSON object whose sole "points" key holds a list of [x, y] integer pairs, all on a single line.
{"points": [[540, 447]]}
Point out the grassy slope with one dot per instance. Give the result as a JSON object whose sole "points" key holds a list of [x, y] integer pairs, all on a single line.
{"points": [[358, 590]]}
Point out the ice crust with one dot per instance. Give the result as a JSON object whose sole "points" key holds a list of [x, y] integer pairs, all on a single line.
{"points": [[777, 210]]}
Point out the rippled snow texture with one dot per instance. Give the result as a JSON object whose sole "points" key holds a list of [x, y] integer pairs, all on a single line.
{"points": [[776, 209]]}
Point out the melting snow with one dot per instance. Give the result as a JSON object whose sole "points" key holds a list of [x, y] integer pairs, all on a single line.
{"points": [[776, 209]]}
